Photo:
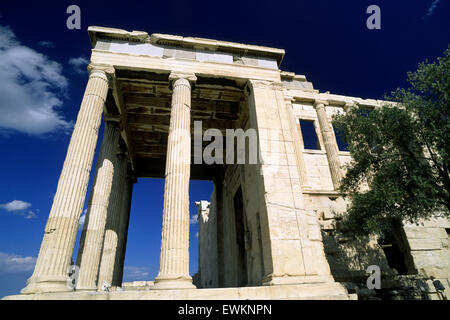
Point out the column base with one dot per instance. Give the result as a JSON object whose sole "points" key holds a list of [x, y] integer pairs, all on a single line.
{"points": [[311, 291], [85, 288], [272, 280], [47, 284], [173, 283]]}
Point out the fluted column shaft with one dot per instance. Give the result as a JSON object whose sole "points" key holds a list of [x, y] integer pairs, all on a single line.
{"points": [[91, 241], [329, 141], [123, 232], [51, 269], [111, 238], [174, 258]]}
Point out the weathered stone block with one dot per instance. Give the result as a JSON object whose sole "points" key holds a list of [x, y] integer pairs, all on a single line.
{"points": [[418, 232], [288, 258], [425, 244]]}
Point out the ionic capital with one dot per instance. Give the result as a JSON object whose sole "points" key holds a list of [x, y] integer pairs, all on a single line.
{"points": [[348, 105], [188, 77], [320, 103], [106, 72]]}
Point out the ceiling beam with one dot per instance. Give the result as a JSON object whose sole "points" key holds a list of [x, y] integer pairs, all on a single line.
{"points": [[137, 120], [124, 130]]}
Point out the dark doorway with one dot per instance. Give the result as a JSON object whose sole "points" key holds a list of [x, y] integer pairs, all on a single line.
{"points": [[240, 224], [394, 244]]}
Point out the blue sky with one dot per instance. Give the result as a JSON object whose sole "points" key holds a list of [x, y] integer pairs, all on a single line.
{"points": [[42, 80]]}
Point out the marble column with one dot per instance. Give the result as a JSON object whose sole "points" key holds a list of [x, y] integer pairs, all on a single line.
{"points": [[51, 269], [330, 143], [123, 231], [91, 241], [174, 258], [111, 237]]}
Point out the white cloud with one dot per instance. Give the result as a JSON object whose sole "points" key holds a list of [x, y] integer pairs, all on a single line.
{"points": [[14, 263], [19, 207], [15, 205], [132, 273], [432, 8], [79, 64], [193, 219], [31, 88], [29, 215]]}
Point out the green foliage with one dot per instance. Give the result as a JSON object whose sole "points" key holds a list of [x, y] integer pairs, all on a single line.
{"points": [[401, 151]]}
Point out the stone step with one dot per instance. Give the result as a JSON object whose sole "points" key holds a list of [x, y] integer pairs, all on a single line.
{"points": [[308, 291]]}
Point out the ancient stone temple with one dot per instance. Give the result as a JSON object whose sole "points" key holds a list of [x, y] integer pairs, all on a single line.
{"points": [[271, 229]]}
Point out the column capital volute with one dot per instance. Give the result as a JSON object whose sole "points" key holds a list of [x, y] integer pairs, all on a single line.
{"points": [[107, 71], [320, 103], [348, 105], [177, 75]]}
